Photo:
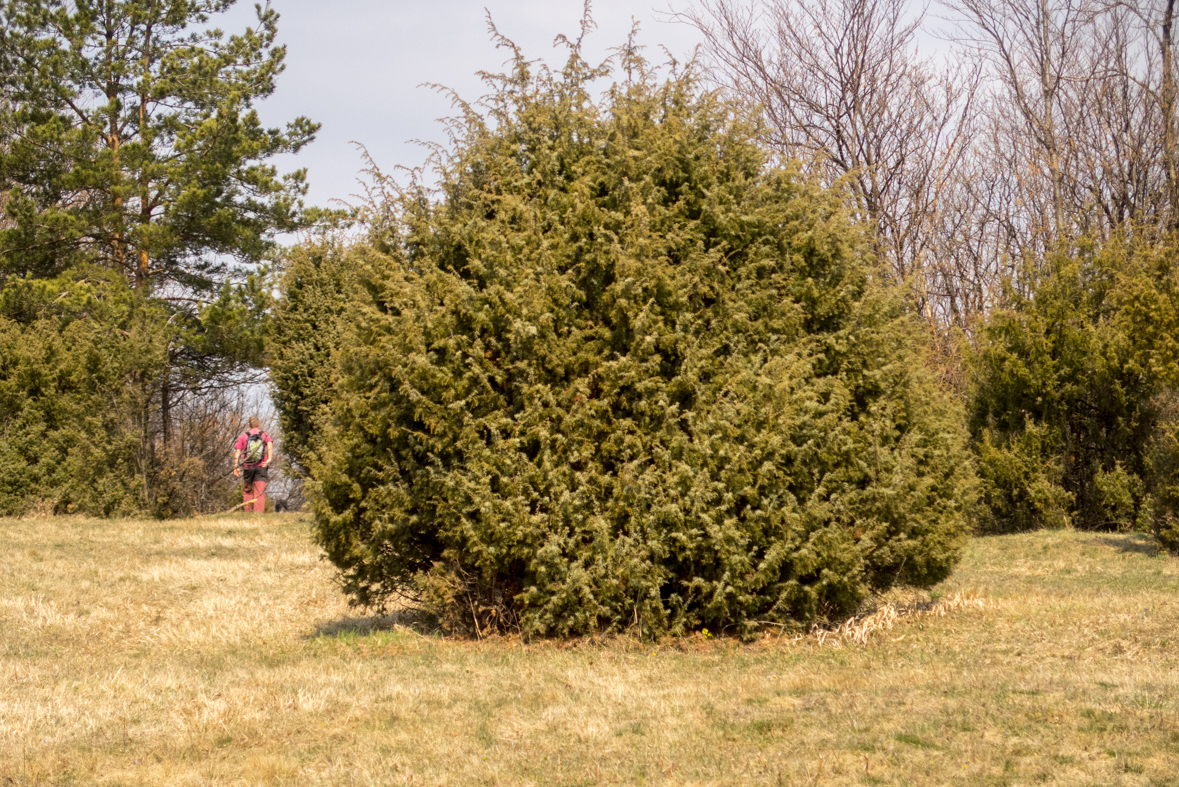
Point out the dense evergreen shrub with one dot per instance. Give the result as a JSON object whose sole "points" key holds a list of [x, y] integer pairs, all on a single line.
{"points": [[623, 371], [75, 355], [1071, 383], [316, 282]]}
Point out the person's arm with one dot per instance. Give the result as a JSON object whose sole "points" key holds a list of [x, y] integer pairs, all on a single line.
{"points": [[269, 452], [237, 461]]}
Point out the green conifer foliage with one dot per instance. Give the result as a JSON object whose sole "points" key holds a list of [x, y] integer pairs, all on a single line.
{"points": [[306, 323], [78, 355], [132, 140], [624, 372], [1070, 408]]}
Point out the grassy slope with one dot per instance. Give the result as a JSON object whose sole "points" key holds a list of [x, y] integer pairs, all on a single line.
{"points": [[218, 652]]}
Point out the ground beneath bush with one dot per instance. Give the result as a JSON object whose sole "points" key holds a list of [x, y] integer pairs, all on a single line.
{"points": [[219, 651]]}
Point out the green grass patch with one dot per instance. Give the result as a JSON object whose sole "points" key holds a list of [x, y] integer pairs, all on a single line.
{"points": [[913, 740]]}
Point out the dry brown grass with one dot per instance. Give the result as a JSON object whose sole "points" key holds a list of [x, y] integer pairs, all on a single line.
{"points": [[218, 651]]}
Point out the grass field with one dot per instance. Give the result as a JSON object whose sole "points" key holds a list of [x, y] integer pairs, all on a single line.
{"points": [[218, 651]]}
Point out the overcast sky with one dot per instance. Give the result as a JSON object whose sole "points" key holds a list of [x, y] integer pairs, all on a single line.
{"points": [[356, 66]]}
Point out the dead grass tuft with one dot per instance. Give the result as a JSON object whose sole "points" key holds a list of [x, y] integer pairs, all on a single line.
{"points": [[42, 509], [860, 628]]}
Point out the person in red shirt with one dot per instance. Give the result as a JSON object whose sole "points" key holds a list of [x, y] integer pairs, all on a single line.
{"points": [[251, 456]]}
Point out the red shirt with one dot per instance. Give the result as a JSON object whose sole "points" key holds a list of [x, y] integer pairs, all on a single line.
{"points": [[243, 439]]}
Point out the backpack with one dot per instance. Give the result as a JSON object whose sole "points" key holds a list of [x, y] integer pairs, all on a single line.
{"points": [[255, 449]]}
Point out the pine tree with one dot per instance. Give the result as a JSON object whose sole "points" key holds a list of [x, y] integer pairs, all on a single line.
{"points": [[623, 371], [132, 140]]}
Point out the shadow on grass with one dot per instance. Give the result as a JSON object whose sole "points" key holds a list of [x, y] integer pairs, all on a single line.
{"points": [[417, 621], [1131, 543]]}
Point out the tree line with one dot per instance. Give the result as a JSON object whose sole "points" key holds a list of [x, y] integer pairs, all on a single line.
{"points": [[730, 343]]}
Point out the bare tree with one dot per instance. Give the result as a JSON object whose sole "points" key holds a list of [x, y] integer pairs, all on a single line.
{"points": [[1113, 124], [1084, 92], [1032, 47], [1059, 124], [1166, 28], [845, 92], [1144, 63]]}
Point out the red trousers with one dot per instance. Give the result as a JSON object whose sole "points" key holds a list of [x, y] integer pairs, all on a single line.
{"points": [[254, 493]]}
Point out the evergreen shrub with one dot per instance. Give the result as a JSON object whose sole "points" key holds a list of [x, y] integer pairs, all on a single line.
{"points": [[1070, 406], [621, 371], [316, 282], [1161, 515], [74, 352]]}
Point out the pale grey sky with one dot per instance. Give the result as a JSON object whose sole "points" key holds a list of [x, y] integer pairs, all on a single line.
{"points": [[356, 65]]}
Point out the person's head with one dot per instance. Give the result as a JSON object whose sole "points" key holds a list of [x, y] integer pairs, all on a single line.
{"points": [[254, 424]]}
